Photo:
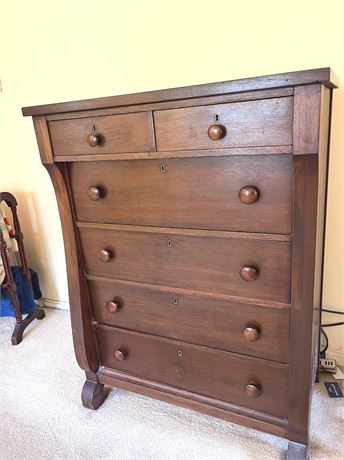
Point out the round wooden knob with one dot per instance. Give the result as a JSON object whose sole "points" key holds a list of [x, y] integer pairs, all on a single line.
{"points": [[113, 306], [94, 193], [249, 194], [105, 255], [216, 132], [251, 333], [248, 273], [93, 139], [121, 355], [253, 390]]}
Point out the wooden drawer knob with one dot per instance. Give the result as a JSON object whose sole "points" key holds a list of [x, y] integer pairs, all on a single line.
{"points": [[113, 306], [253, 390], [93, 139], [121, 355], [94, 193], [105, 255], [216, 132], [249, 194], [248, 273], [251, 333]]}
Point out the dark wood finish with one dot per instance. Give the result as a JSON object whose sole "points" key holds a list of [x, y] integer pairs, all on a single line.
{"points": [[198, 369], [19, 328], [202, 262], [93, 394], [43, 140], [303, 77], [112, 134], [203, 404], [251, 123], [178, 224], [308, 229], [149, 197], [279, 149], [173, 104], [80, 308], [193, 318], [307, 102], [8, 283]]}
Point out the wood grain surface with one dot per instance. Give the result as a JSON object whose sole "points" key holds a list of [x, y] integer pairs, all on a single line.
{"points": [[190, 193]]}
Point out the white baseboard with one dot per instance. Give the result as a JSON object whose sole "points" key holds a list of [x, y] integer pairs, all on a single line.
{"points": [[337, 355], [59, 304]]}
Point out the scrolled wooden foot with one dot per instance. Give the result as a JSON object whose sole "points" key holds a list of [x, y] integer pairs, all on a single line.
{"points": [[297, 451], [17, 335], [93, 394]]}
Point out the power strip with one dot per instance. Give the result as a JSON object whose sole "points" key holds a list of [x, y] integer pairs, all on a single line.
{"points": [[328, 365]]}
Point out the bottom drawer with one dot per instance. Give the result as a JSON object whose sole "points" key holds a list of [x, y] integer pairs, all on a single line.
{"points": [[250, 382]]}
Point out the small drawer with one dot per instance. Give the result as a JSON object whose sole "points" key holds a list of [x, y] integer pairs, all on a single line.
{"points": [[203, 320], [131, 132], [265, 122], [241, 380], [243, 193], [251, 268]]}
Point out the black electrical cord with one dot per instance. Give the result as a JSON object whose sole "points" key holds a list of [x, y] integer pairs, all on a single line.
{"points": [[333, 311], [326, 340], [333, 324]]}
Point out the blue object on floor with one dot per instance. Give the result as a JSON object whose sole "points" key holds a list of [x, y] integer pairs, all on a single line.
{"points": [[24, 293]]}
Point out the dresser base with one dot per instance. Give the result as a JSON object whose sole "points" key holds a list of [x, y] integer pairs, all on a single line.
{"points": [[93, 394]]}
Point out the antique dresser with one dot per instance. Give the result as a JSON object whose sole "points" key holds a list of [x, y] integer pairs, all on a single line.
{"points": [[193, 223]]}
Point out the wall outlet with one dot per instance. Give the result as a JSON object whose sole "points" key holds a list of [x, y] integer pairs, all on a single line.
{"points": [[328, 365]]}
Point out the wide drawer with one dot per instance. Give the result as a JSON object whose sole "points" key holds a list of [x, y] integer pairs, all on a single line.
{"points": [[190, 259], [131, 132], [245, 381], [240, 124], [222, 193], [203, 320]]}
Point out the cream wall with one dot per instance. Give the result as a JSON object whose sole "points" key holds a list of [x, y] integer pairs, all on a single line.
{"points": [[53, 51]]}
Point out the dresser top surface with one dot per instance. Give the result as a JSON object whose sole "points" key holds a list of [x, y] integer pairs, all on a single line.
{"points": [[304, 77]]}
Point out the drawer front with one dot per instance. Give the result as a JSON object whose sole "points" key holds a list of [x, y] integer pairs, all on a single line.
{"points": [[131, 132], [202, 263], [247, 329], [213, 373], [199, 193], [241, 124]]}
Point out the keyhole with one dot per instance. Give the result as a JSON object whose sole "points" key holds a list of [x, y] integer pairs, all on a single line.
{"points": [[180, 353], [169, 243], [162, 168], [175, 300], [216, 117], [94, 128]]}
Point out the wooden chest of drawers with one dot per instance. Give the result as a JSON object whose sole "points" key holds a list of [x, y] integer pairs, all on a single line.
{"points": [[193, 223]]}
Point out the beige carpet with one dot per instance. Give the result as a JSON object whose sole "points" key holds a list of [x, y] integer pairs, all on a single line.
{"points": [[42, 416]]}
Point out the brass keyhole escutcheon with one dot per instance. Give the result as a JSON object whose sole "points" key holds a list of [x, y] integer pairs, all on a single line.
{"points": [[169, 243], [179, 353], [175, 300], [163, 168]]}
